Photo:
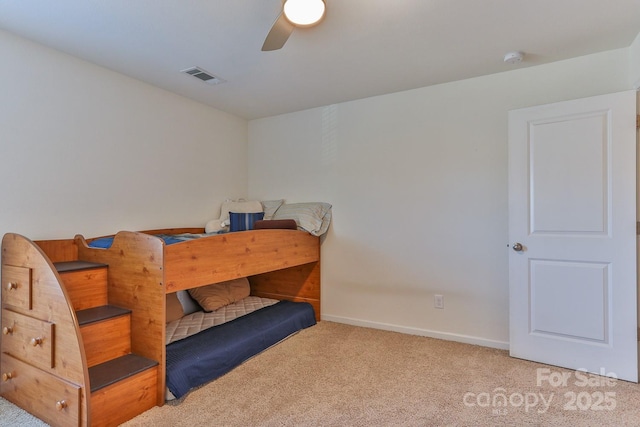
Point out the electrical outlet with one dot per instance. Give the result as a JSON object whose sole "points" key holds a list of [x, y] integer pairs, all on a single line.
{"points": [[438, 301]]}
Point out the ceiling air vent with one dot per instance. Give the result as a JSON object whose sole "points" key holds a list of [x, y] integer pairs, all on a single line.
{"points": [[203, 75]]}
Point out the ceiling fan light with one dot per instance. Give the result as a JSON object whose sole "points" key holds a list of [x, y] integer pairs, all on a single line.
{"points": [[304, 13]]}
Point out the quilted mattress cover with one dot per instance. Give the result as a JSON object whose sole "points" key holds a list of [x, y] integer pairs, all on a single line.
{"points": [[195, 322]]}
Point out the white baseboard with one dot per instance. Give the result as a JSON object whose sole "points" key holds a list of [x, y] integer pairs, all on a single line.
{"points": [[502, 345]]}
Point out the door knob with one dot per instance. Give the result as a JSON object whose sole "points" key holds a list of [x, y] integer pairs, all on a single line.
{"points": [[517, 247]]}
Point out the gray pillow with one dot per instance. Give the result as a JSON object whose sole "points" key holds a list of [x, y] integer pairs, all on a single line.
{"points": [[189, 305], [313, 217], [270, 207]]}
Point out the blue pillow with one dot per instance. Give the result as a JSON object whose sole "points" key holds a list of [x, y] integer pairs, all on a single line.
{"points": [[243, 221]]}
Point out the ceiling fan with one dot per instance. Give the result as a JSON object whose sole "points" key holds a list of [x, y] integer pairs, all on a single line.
{"points": [[295, 13]]}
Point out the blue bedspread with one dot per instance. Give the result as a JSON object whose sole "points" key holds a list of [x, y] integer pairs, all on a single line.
{"points": [[106, 242], [213, 352]]}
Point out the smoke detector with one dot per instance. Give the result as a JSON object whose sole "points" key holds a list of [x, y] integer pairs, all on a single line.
{"points": [[203, 75], [513, 57]]}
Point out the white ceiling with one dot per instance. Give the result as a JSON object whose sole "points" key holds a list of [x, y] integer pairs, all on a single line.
{"points": [[362, 48]]}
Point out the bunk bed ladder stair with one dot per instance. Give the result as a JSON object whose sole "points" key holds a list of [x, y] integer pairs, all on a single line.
{"points": [[122, 384]]}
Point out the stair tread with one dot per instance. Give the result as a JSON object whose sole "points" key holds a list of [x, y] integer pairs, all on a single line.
{"points": [[97, 314], [115, 370], [66, 266]]}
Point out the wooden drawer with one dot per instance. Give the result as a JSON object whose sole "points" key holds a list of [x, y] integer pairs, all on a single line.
{"points": [[28, 339], [16, 286], [46, 396]]}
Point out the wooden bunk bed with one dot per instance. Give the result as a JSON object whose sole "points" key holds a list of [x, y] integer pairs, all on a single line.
{"points": [[280, 264], [142, 270]]}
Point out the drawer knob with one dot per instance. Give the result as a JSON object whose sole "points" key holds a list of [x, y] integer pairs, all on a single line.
{"points": [[11, 286], [7, 330], [7, 376], [61, 404], [36, 341]]}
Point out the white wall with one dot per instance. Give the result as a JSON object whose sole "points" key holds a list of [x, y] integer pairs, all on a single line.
{"points": [[634, 63], [418, 183], [86, 150]]}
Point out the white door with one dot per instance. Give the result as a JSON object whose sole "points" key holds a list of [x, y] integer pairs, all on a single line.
{"points": [[572, 231]]}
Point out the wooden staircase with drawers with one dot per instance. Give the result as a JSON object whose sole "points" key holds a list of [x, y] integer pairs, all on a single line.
{"points": [[65, 351], [123, 384]]}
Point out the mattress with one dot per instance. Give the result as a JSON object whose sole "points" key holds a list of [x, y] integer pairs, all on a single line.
{"points": [[213, 352], [195, 322]]}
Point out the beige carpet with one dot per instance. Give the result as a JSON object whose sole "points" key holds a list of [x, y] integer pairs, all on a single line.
{"points": [[12, 416], [340, 375]]}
